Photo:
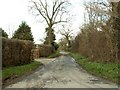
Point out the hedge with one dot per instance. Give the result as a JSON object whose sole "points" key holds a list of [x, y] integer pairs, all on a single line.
{"points": [[16, 52], [43, 51], [46, 50], [36, 53]]}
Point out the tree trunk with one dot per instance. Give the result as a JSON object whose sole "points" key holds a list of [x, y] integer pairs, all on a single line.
{"points": [[116, 24]]}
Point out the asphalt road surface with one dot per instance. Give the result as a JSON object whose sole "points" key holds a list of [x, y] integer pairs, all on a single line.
{"points": [[61, 72]]}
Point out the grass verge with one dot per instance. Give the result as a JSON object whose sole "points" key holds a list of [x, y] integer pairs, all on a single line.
{"points": [[55, 54], [18, 71], [107, 71]]}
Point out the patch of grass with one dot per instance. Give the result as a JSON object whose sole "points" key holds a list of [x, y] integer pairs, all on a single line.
{"points": [[55, 54], [107, 71], [20, 70]]}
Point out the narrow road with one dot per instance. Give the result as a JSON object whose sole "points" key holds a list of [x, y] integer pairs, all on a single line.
{"points": [[62, 72]]}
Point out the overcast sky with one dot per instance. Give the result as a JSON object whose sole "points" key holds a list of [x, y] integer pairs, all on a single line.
{"points": [[13, 12]]}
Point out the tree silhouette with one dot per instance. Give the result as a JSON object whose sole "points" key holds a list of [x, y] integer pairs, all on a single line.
{"points": [[51, 13], [4, 34], [23, 32]]}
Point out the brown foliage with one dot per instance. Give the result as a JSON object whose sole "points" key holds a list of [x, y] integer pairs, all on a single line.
{"points": [[95, 45], [99, 38], [43, 51], [16, 52], [36, 53]]}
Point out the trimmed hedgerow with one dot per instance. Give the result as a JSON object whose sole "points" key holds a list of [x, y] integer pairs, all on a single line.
{"points": [[16, 52], [43, 51]]}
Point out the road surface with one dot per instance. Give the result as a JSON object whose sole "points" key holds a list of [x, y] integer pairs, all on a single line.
{"points": [[61, 72]]}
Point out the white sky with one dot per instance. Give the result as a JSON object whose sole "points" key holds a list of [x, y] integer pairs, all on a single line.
{"points": [[13, 12]]}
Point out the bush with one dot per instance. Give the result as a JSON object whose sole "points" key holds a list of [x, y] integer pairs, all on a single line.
{"points": [[36, 53], [43, 51], [16, 52], [46, 50], [95, 45]]}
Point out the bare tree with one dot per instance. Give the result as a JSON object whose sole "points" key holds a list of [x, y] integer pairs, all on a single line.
{"points": [[52, 13], [98, 12], [67, 35], [62, 44]]}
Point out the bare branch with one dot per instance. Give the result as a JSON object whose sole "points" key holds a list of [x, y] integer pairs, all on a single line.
{"points": [[45, 8], [52, 15], [40, 12], [67, 34], [57, 9], [59, 22], [54, 5]]}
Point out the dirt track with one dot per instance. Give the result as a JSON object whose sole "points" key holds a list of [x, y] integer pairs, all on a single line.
{"points": [[61, 72]]}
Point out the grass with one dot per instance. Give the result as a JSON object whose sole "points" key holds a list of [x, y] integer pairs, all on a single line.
{"points": [[107, 71], [19, 70], [55, 54]]}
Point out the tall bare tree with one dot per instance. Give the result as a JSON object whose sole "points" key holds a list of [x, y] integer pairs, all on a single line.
{"points": [[52, 11]]}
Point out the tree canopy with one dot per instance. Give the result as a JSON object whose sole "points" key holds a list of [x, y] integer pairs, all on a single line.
{"points": [[23, 32], [52, 13], [4, 34]]}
